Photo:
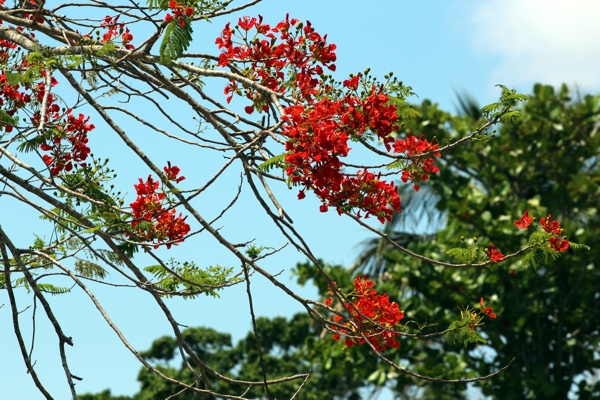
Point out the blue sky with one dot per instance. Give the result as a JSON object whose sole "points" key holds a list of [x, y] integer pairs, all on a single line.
{"points": [[434, 46]]}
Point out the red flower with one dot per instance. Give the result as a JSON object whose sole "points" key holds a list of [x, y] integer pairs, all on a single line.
{"points": [[558, 243], [71, 144], [524, 221], [420, 168], [180, 13], [352, 83], [47, 159], [172, 173], [494, 254], [164, 225], [550, 226], [382, 315], [486, 310]]}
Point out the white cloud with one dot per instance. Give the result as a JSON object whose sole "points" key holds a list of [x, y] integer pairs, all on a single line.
{"points": [[548, 41]]}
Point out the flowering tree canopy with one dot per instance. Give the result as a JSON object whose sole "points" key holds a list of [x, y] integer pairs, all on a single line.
{"points": [[296, 127]]}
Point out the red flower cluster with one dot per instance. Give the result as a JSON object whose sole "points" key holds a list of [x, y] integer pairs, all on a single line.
{"points": [[494, 254], [302, 50], [11, 98], [114, 29], [524, 221], [421, 168], [75, 150], [319, 126], [486, 310], [66, 140], [162, 224], [317, 138], [550, 226], [557, 242], [377, 308], [179, 13]]}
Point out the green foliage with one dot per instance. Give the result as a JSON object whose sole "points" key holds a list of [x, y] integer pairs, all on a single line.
{"points": [[33, 143], [129, 249], [466, 255], [106, 49], [89, 269], [44, 287], [502, 109], [463, 330], [254, 251], [539, 255], [289, 346], [277, 161], [190, 280], [104, 395], [176, 40], [36, 60], [6, 119]]}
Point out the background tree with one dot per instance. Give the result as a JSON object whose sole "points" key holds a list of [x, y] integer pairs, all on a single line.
{"points": [[289, 347], [546, 163]]}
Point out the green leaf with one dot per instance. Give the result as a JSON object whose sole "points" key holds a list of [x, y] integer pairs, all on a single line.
{"points": [[490, 109], [578, 246], [34, 142], [451, 335], [539, 256], [190, 280], [277, 161], [53, 290], [90, 269], [92, 229], [129, 249], [176, 40], [6, 119], [511, 116], [461, 254], [538, 237], [108, 48]]}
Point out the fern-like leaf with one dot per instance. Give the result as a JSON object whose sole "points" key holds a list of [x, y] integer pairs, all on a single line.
{"points": [[459, 253], [177, 39], [194, 280], [277, 161], [89, 269], [539, 256], [53, 290], [511, 116], [6, 119], [578, 246]]}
